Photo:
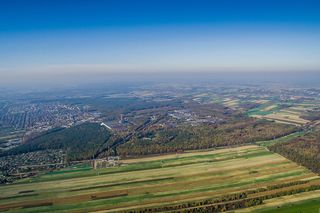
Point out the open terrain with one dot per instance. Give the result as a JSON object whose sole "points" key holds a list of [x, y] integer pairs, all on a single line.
{"points": [[182, 148], [288, 113], [307, 202], [223, 179]]}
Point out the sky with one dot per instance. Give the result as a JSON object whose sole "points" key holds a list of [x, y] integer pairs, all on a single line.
{"points": [[45, 40]]}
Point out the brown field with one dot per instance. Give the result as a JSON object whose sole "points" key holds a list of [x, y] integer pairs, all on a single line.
{"points": [[230, 102], [285, 116], [268, 108]]}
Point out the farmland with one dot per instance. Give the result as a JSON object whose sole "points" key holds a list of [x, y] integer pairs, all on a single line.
{"points": [[284, 117], [289, 113], [219, 179], [281, 111], [189, 148], [307, 202]]}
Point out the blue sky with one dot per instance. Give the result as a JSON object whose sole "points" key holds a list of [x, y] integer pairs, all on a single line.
{"points": [[61, 38]]}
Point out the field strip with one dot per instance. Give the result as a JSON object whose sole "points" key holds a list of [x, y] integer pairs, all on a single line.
{"points": [[160, 181], [228, 170], [315, 182], [189, 169], [279, 201], [291, 112], [190, 154], [287, 118], [199, 198], [115, 194], [219, 178]]}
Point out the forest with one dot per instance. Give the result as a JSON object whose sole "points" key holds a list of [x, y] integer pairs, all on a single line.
{"points": [[85, 140], [79, 142], [181, 138], [304, 150]]}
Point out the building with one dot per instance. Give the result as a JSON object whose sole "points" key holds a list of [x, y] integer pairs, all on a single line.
{"points": [[111, 161]]}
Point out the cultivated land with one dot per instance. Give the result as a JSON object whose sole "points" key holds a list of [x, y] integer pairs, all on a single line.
{"points": [[307, 202], [284, 117], [297, 114], [223, 179]]}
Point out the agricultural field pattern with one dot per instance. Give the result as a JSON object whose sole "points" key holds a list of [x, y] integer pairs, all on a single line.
{"points": [[157, 148], [247, 175]]}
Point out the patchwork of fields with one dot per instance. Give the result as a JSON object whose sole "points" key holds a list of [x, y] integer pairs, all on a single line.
{"points": [[225, 179], [284, 117], [288, 111], [290, 115]]}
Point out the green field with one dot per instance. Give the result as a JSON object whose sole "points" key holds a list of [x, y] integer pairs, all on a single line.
{"points": [[222, 179], [263, 109], [309, 206], [307, 202], [281, 139]]}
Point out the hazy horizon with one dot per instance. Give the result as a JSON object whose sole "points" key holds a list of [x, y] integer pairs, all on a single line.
{"points": [[310, 79], [69, 42]]}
